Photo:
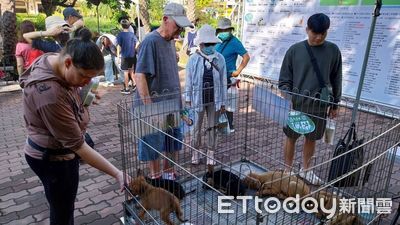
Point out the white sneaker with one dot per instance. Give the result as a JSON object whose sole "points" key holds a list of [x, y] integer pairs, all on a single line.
{"points": [[210, 158], [310, 177]]}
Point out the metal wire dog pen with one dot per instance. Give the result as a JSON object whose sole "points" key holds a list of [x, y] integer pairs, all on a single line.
{"points": [[256, 146]]}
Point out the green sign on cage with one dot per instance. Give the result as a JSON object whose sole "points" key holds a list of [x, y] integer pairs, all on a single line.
{"points": [[300, 123]]}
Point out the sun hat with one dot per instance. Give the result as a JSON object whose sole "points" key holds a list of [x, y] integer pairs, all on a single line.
{"points": [[53, 21], [224, 23], [206, 34], [178, 14], [70, 11]]}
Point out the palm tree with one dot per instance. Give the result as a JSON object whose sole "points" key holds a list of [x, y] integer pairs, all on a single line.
{"points": [[191, 10], [8, 24], [144, 14]]}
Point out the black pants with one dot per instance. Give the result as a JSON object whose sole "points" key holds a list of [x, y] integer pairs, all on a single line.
{"points": [[60, 180], [230, 119]]}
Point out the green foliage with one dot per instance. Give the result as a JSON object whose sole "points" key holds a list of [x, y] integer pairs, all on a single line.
{"points": [[201, 4], [37, 19], [106, 25], [156, 8]]}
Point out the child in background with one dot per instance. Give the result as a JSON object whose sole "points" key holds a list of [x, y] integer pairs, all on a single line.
{"points": [[127, 43]]}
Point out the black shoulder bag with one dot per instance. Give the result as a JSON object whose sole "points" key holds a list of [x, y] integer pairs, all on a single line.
{"points": [[349, 161], [325, 92]]}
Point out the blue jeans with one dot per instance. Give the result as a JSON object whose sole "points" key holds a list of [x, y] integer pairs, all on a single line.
{"points": [[60, 180], [108, 68]]}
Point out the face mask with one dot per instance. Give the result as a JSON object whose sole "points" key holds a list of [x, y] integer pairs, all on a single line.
{"points": [[224, 36], [208, 50]]}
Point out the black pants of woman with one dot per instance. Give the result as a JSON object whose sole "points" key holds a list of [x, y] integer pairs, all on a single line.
{"points": [[60, 180]]}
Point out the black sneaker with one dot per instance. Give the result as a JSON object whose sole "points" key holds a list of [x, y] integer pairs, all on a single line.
{"points": [[125, 91], [133, 88]]}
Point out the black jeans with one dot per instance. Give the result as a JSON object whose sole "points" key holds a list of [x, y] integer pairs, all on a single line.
{"points": [[60, 180], [230, 119]]}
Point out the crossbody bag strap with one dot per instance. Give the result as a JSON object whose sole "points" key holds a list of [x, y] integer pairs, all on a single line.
{"points": [[315, 65], [211, 62], [226, 43]]}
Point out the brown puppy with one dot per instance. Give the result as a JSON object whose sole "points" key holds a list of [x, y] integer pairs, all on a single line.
{"points": [[328, 199], [156, 198], [277, 183]]}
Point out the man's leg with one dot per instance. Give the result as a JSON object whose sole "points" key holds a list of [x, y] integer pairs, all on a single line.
{"points": [[126, 79], [154, 167], [131, 75], [288, 152], [308, 152]]}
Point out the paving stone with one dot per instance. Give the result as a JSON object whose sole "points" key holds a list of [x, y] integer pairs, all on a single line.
{"points": [[82, 204], [104, 197], [16, 208], [6, 218], [13, 195], [33, 210], [96, 185], [36, 189], [110, 219], [27, 186], [94, 208], [88, 194], [26, 220], [6, 191], [109, 188], [6, 204], [42, 215], [87, 218]]}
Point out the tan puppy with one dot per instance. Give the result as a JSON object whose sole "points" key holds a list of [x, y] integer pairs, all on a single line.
{"points": [[277, 183], [328, 199], [156, 198], [339, 218]]}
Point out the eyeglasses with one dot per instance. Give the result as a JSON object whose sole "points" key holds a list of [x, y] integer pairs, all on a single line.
{"points": [[208, 44]]}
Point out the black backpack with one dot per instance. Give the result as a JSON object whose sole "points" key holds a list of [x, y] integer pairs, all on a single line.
{"points": [[348, 162]]}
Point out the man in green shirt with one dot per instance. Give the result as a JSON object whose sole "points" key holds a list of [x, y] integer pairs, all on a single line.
{"points": [[298, 75]]}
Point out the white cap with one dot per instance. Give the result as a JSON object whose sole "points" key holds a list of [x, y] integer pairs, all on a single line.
{"points": [[53, 21], [206, 34]]}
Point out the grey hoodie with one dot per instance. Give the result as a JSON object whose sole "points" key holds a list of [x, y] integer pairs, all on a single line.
{"points": [[54, 115]]}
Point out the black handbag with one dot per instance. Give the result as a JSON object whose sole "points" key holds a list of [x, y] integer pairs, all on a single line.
{"points": [[347, 162]]}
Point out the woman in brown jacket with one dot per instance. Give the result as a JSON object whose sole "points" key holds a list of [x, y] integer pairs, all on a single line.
{"points": [[56, 121]]}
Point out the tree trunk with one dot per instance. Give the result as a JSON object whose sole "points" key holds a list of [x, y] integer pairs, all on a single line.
{"points": [[191, 10], [48, 7], [8, 32], [144, 15]]}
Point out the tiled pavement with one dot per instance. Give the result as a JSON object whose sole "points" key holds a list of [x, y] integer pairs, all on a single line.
{"points": [[98, 202]]}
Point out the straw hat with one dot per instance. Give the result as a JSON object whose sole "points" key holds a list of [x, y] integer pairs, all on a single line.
{"points": [[206, 34]]}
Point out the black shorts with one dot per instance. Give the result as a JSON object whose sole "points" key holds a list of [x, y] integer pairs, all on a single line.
{"points": [[319, 119], [128, 63]]}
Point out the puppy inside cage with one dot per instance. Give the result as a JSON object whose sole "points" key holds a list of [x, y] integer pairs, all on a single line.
{"points": [[250, 162]]}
